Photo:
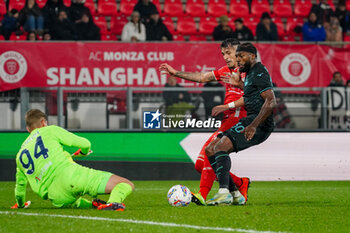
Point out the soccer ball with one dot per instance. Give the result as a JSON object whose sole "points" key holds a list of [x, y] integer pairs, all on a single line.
{"points": [[179, 195]]}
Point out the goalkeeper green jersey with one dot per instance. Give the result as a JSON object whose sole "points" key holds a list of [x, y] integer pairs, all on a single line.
{"points": [[42, 156]]}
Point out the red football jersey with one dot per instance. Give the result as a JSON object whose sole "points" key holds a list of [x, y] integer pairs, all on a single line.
{"points": [[232, 93]]}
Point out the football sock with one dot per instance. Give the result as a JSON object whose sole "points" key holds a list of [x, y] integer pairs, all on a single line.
{"points": [[120, 192], [199, 163], [232, 185], [237, 180], [223, 166], [82, 203], [207, 179]]}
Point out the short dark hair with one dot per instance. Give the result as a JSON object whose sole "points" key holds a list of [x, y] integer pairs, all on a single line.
{"points": [[34, 116], [247, 47], [13, 11], [239, 20], [335, 73], [229, 42]]}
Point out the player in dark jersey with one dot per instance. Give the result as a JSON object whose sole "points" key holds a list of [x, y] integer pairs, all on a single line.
{"points": [[231, 117], [259, 101]]}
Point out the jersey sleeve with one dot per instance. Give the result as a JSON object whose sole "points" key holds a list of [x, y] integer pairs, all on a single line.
{"points": [[263, 81], [21, 185], [219, 72], [69, 139], [216, 74]]}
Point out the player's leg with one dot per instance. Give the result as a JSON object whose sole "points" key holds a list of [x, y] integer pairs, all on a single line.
{"points": [[119, 188], [207, 179], [78, 180], [227, 124], [220, 152], [199, 162], [244, 182], [208, 176]]}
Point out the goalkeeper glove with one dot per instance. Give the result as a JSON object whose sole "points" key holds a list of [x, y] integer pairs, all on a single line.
{"points": [[79, 154]]}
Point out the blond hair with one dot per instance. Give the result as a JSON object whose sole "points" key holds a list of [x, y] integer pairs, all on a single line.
{"points": [[33, 118]]}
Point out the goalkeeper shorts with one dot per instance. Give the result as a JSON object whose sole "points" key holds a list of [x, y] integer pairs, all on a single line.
{"points": [[75, 181]]}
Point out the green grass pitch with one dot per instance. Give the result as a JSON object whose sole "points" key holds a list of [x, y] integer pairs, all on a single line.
{"points": [[272, 207]]}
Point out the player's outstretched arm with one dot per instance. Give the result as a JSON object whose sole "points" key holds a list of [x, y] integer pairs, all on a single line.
{"points": [[190, 76], [69, 139], [265, 111], [222, 108]]}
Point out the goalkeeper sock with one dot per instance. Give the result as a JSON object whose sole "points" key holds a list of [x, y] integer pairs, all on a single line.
{"points": [[120, 192], [82, 203]]}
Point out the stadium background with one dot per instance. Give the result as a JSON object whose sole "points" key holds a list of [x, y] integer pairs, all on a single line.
{"points": [[66, 86]]}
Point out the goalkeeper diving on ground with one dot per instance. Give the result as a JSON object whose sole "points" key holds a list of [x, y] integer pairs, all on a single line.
{"points": [[53, 175]]}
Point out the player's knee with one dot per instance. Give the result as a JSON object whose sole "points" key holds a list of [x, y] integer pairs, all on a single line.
{"points": [[130, 183], [218, 147], [209, 150], [118, 179]]}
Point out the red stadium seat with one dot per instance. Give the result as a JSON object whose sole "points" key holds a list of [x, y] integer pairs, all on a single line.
{"points": [[19, 37], [2, 7], [217, 8], [178, 38], [239, 8], [127, 7], [157, 3], [2, 37], [16, 4], [117, 24], [107, 8], [186, 26], [260, 6], [346, 38], [282, 8], [287, 38], [195, 8], [197, 38], [91, 5], [302, 8], [280, 26], [207, 25], [108, 37], [169, 24], [101, 22], [67, 3], [251, 23], [173, 8], [292, 23], [347, 5], [41, 3]]}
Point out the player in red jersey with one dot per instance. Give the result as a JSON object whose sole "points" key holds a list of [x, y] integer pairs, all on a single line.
{"points": [[231, 117]]}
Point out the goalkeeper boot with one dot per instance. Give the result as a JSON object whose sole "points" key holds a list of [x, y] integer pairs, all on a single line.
{"points": [[244, 187], [238, 198], [221, 199], [112, 206], [198, 199], [97, 202]]}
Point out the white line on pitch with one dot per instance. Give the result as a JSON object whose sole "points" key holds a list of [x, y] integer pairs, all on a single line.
{"points": [[164, 224]]}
